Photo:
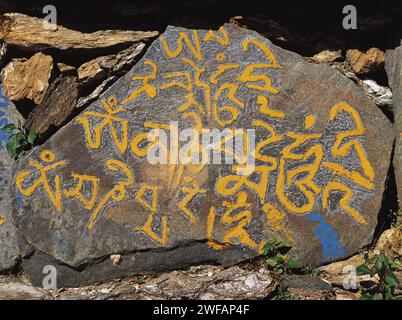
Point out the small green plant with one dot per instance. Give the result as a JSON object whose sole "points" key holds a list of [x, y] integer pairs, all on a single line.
{"points": [[383, 269], [276, 260], [20, 141], [140, 279], [282, 293], [308, 269]]}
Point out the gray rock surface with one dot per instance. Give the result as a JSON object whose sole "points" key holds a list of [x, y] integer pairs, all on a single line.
{"points": [[393, 66], [9, 251], [322, 155]]}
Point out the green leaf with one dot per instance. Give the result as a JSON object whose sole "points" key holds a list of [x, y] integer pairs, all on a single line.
{"points": [[391, 279], [20, 137], [395, 266], [272, 262], [381, 261], [385, 259], [9, 127], [376, 296], [19, 151], [12, 152], [280, 257], [12, 145], [266, 249], [378, 264], [279, 271], [362, 270], [32, 136], [389, 293], [276, 244], [294, 264]]}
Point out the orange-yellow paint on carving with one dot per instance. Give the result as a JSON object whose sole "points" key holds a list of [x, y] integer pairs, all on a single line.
{"points": [[153, 206], [220, 57], [339, 150], [306, 185], [109, 119], [222, 69], [147, 229], [243, 218], [196, 119], [232, 110], [54, 196], [146, 88], [310, 121], [229, 185], [265, 49], [247, 76], [118, 193], [262, 144], [264, 109], [201, 84], [143, 137], [223, 40], [352, 175], [276, 221], [344, 202], [187, 85], [76, 191], [210, 230], [190, 194], [195, 47]]}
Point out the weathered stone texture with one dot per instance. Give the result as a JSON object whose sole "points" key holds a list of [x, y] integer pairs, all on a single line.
{"points": [[365, 62], [28, 33], [393, 66], [28, 79], [58, 104], [9, 252], [322, 154]]}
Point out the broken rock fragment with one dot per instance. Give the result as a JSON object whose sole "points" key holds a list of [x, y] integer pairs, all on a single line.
{"points": [[60, 100], [25, 32], [108, 66], [328, 56], [111, 67], [28, 79], [368, 62], [210, 283]]}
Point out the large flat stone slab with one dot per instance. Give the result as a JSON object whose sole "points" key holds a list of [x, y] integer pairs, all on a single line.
{"points": [[393, 66], [9, 252], [27, 33], [322, 152]]}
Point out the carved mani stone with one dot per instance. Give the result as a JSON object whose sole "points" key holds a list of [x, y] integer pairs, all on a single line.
{"points": [[321, 151]]}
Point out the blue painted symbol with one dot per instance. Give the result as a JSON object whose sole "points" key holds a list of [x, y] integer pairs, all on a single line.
{"points": [[4, 103], [19, 200], [332, 248]]}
